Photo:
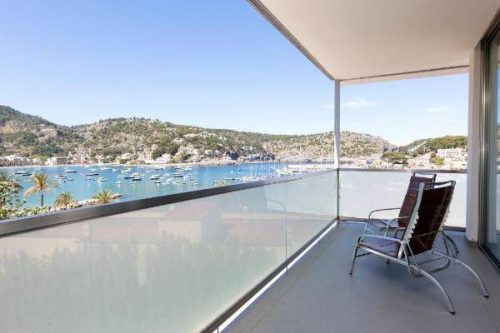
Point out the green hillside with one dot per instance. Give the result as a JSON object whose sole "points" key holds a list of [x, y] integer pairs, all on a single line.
{"points": [[30, 136]]}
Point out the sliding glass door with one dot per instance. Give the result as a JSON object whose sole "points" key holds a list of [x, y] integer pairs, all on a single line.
{"points": [[491, 238]]}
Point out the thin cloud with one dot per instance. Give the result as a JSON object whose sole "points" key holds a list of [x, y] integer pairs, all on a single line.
{"points": [[357, 103]]}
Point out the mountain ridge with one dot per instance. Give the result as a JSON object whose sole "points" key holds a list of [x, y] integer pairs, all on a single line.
{"points": [[141, 139]]}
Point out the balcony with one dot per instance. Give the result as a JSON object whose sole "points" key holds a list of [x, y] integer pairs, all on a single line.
{"points": [[189, 265], [194, 261]]}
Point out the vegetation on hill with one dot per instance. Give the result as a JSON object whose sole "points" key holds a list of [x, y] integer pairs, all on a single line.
{"points": [[141, 139], [424, 146]]}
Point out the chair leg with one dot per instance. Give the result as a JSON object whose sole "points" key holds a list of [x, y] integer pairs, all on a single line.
{"points": [[451, 309], [452, 242], [365, 229], [484, 291], [354, 256]]}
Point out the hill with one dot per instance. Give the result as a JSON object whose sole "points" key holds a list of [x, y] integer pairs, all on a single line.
{"points": [[143, 139], [30, 136], [422, 146]]}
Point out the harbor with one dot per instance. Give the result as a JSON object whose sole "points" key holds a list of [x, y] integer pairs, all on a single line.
{"points": [[136, 182]]}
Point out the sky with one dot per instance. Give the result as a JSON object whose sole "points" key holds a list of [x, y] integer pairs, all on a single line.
{"points": [[215, 64]]}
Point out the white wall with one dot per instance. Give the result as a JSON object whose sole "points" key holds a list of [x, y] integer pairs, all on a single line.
{"points": [[474, 146]]}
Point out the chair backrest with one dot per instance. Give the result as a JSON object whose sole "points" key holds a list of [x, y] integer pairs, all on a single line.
{"points": [[411, 196], [429, 215]]}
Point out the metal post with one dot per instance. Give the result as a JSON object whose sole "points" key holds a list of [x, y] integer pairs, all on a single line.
{"points": [[336, 131]]}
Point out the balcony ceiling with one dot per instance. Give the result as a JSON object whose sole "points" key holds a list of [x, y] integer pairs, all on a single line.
{"points": [[362, 40]]}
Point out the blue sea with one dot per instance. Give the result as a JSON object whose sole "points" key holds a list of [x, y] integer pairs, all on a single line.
{"points": [[116, 178]]}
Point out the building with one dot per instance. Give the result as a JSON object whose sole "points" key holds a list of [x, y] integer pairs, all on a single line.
{"points": [[451, 153], [57, 160]]}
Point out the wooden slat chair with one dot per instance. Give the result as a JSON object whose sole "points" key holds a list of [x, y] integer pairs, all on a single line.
{"points": [[419, 238], [384, 225]]}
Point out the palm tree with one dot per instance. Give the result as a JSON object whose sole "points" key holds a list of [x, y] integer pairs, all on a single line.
{"points": [[64, 200], [103, 197], [8, 187], [41, 184]]}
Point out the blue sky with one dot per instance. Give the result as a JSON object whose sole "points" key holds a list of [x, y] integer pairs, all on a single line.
{"points": [[215, 64]]}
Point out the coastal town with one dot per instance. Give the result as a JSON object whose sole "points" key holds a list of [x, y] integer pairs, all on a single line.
{"points": [[442, 159]]}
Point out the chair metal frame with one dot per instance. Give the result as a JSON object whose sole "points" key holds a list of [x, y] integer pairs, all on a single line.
{"points": [[406, 257], [388, 222]]}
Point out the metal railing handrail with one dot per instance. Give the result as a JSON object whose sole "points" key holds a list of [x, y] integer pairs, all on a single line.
{"points": [[402, 170], [25, 224]]}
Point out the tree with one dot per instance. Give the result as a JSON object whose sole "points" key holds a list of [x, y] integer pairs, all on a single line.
{"points": [[103, 197], [438, 161], [64, 200], [9, 188], [41, 184]]}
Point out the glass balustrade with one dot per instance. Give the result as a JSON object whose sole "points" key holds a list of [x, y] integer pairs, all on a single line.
{"points": [[364, 191], [171, 268]]}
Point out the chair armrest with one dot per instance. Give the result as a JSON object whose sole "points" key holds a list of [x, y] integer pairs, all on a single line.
{"points": [[381, 210], [388, 222], [392, 239]]}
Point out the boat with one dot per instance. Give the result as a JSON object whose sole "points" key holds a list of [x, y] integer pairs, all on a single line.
{"points": [[155, 177], [90, 174], [157, 181], [178, 174], [20, 172], [105, 168], [70, 171], [118, 183], [27, 174], [101, 179], [136, 179], [127, 177]]}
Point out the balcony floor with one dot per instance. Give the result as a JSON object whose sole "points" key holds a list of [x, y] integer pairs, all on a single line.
{"points": [[318, 295]]}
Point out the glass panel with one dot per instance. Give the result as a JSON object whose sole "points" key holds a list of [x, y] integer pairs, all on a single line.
{"points": [[172, 268], [311, 205], [363, 191], [493, 206]]}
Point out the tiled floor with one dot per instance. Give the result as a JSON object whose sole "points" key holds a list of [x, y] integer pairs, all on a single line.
{"points": [[318, 295]]}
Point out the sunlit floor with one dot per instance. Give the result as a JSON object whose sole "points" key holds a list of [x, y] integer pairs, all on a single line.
{"points": [[318, 295]]}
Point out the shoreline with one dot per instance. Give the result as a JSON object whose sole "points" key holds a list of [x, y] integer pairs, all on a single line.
{"points": [[155, 165]]}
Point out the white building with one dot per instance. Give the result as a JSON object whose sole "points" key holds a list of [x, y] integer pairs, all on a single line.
{"points": [[451, 153]]}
